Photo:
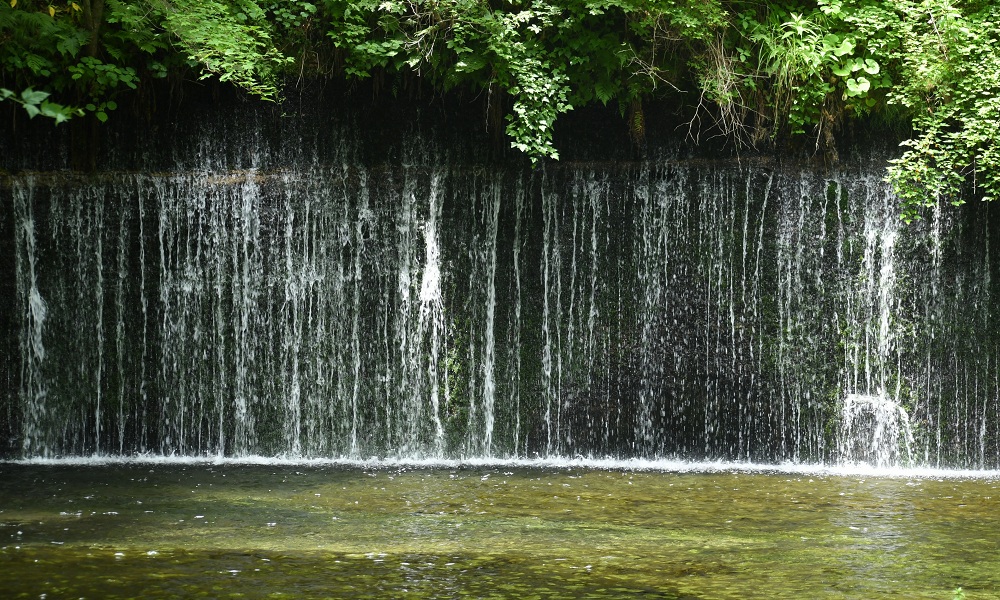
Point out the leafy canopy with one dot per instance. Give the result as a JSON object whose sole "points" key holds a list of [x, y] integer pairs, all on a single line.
{"points": [[755, 72]]}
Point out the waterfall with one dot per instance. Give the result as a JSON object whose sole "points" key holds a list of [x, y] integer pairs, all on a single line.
{"points": [[663, 308], [33, 309], [432, 313]]}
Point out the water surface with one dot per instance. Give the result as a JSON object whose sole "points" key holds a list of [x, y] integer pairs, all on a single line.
{"points": [[150, 530]]}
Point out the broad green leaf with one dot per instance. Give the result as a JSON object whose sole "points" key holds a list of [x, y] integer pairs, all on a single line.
{"points": [[846, 47], [31, 96]]}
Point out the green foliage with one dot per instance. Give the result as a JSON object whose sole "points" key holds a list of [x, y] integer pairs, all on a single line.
{"points": [[100, 77], [548, 56], [91, 51], [754, 71], [800, 67], [290, 15], [795, 68], [538, 84], [950, 67], [37, 45], [229, 40], [36, 103]]}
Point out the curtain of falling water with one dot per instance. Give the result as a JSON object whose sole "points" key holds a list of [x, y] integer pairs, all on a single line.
{"points": [[422, 310], [33, 309]]}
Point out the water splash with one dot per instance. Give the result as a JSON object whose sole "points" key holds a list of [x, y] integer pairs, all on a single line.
{"points": [[875, 430]]}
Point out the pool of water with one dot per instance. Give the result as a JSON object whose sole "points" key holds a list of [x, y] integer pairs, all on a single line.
{"points": [[155, 530]]}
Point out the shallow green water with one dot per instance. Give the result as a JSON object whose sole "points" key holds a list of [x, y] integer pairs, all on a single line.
{"points": [[232, 531]]}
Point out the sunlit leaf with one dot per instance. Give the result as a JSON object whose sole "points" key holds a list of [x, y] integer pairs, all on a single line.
{"points": [[846, 47]]}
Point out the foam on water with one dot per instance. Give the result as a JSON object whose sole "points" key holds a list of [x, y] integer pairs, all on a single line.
{"points": [[598, 464]]}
